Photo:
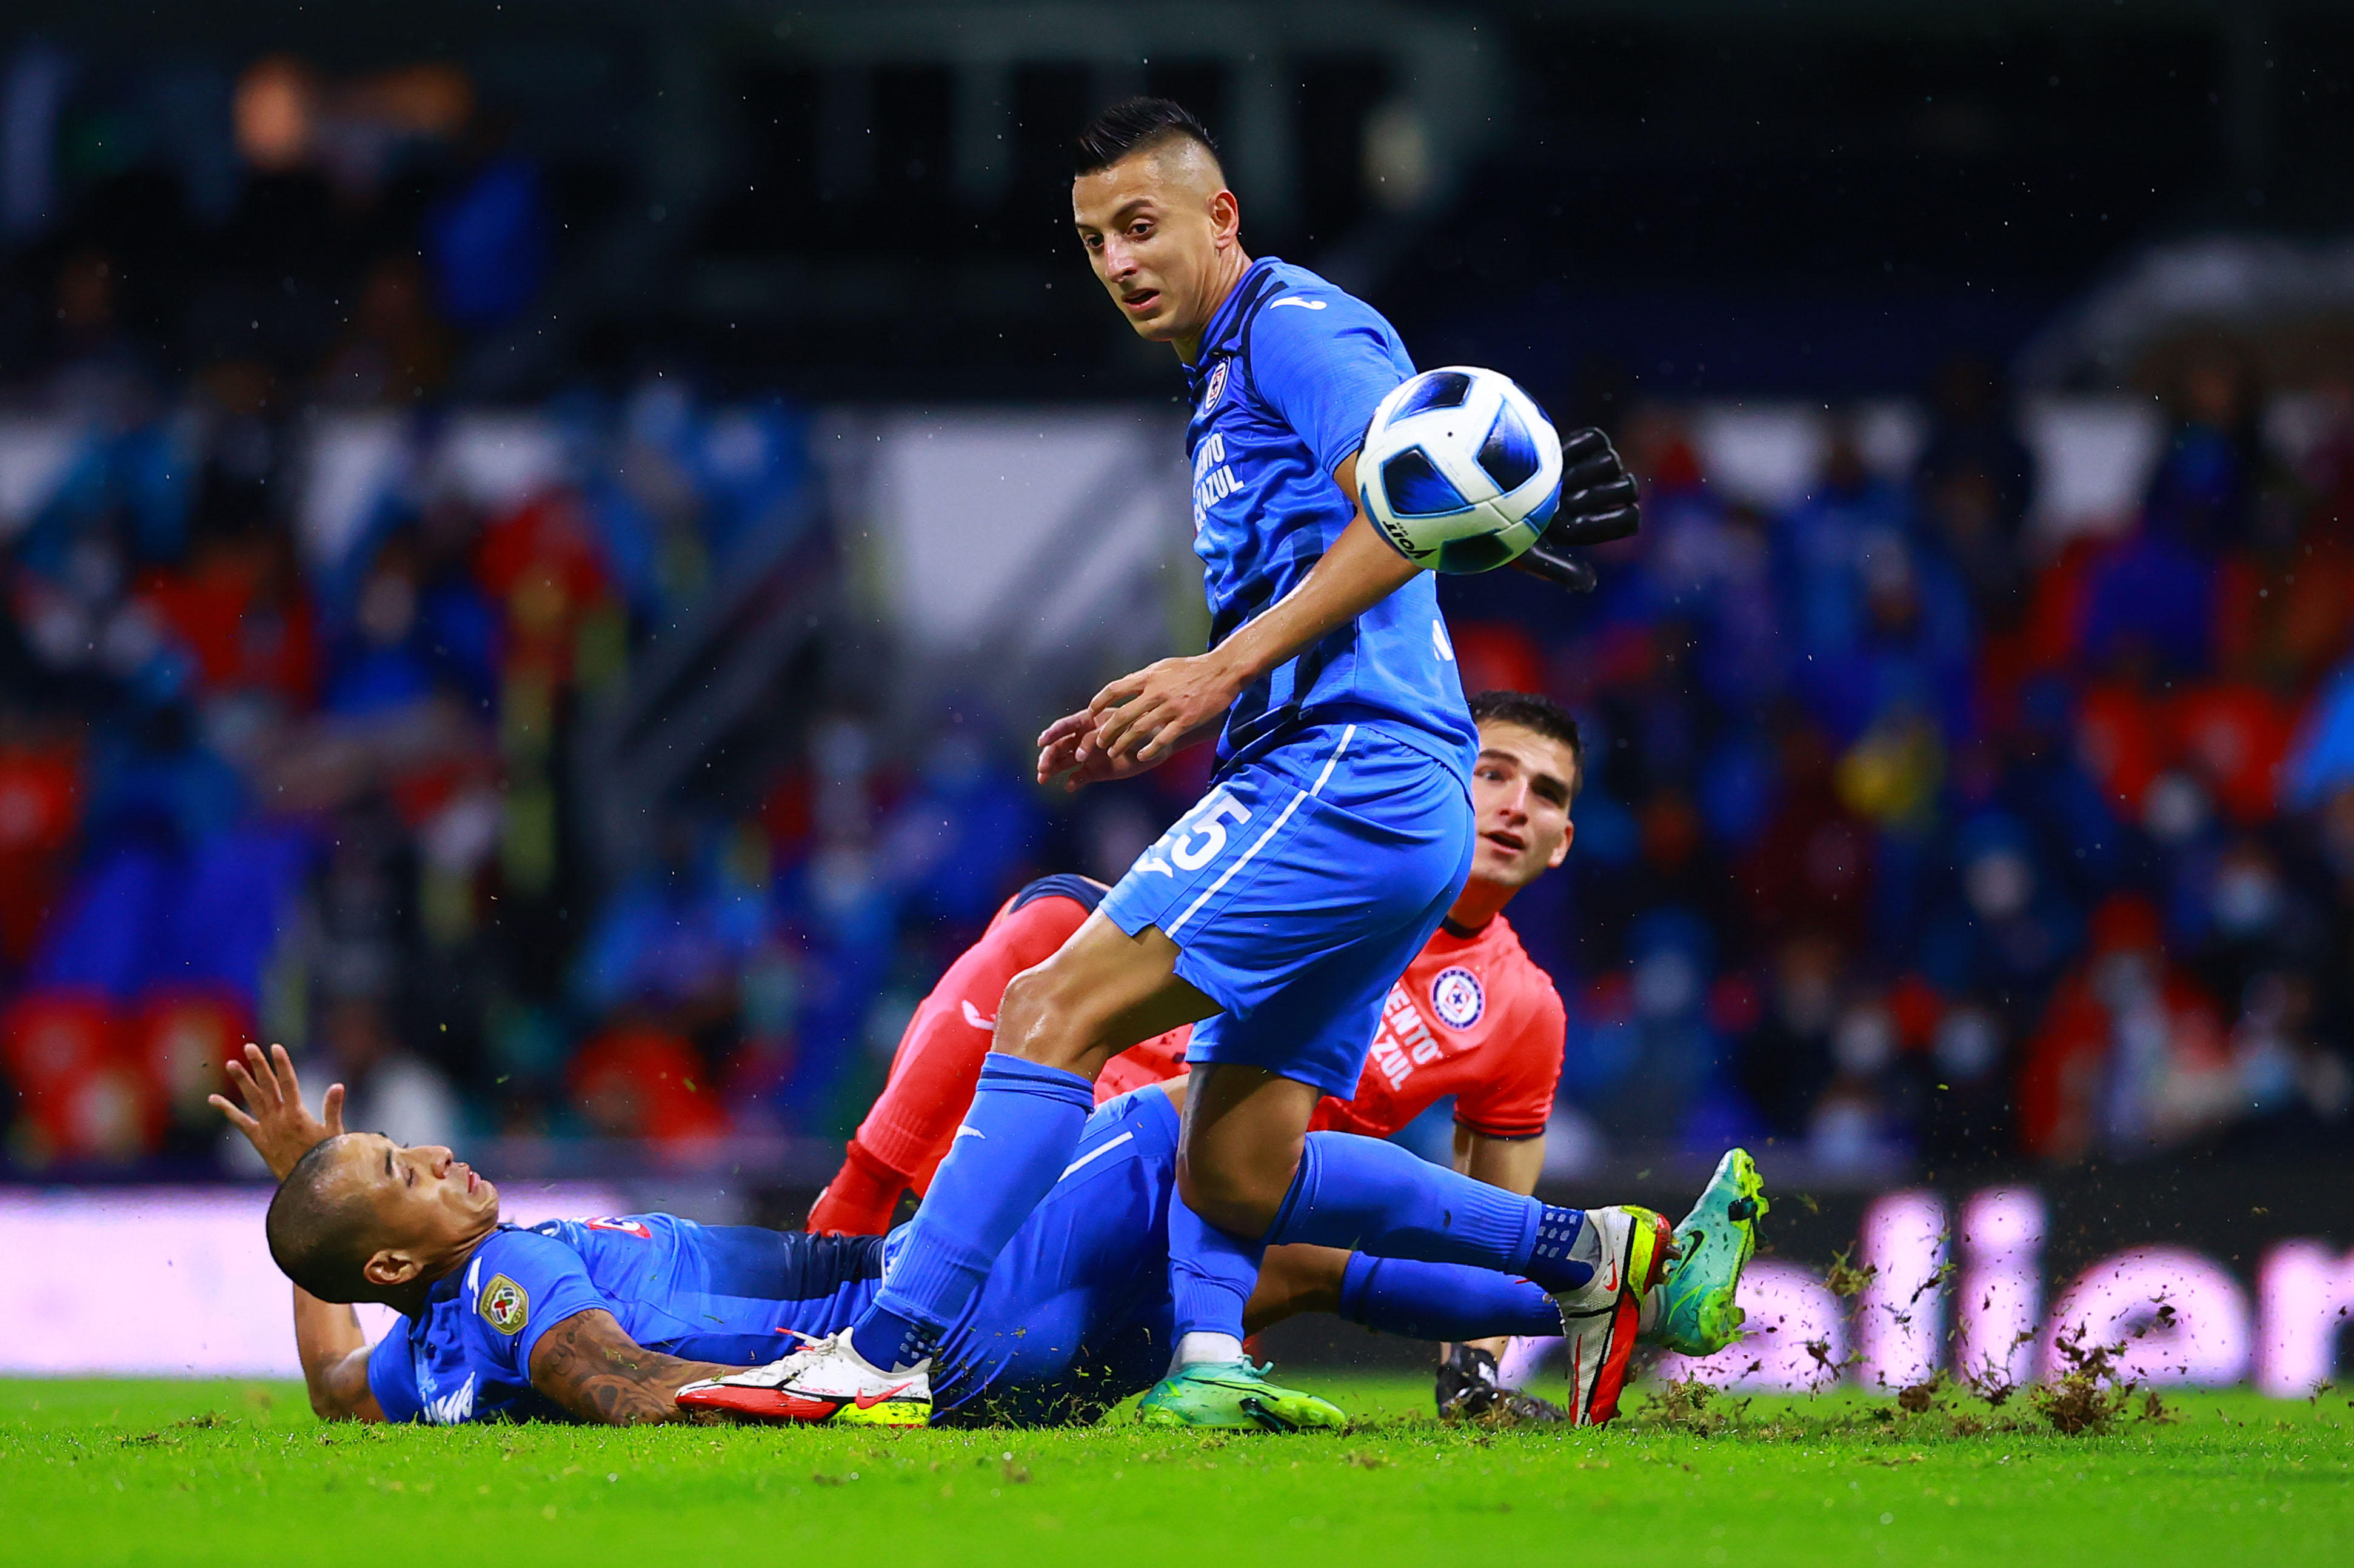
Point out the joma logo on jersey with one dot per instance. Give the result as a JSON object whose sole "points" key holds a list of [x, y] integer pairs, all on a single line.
{"points": [[1404, 1041]]}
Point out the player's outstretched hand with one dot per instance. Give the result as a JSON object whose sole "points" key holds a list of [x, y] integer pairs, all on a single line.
{"points": [[1598, 504], [281, 1130], [1063, 746], [1068, 749], [1139, 722]]}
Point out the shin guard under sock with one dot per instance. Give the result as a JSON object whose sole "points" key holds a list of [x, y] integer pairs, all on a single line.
{"points": [[1374, 1197], [1443, 1300], [1211, 1273]]}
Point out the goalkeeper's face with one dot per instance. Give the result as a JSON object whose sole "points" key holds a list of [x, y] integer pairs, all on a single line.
{"points": [[1520, 789], [1164, 235]]}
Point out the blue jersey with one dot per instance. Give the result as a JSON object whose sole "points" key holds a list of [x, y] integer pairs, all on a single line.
{"points": [[1291, 371], [1074, 1317], [733, 1294]]}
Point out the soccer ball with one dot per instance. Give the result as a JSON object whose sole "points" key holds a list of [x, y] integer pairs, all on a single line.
{"points": [[1459, 470]]}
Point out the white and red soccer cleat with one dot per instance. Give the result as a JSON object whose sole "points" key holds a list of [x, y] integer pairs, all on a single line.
{"points": [[825, 1380], [1628, 1249]]}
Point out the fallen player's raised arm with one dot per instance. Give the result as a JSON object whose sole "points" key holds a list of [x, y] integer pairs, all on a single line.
{"points": [[590, 1366], [334, 1356], [275, 1121], [327, 1337]]}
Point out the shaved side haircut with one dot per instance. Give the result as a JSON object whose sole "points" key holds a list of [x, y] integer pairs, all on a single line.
{"points": [[1133, 126], [318, 1229]]}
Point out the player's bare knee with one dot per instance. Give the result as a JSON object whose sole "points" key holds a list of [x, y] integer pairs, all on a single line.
{"points": [[1296, 1280], [1038, 1021]]}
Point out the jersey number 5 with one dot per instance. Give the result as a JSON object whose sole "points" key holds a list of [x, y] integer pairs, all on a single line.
{"points": [[1194, 840]]}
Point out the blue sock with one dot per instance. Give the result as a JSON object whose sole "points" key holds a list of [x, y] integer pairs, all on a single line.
{"points": [[1442, 1300], [1024, 1123], [1211, 1273], [1374, 1197]]}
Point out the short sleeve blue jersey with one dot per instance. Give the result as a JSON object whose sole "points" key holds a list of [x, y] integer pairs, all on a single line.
{"points": [[1289, 373], [732, 1294]]}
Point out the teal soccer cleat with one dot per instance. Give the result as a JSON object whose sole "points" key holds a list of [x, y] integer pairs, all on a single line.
{"points": [[1698, 1313], [1235, 1396]]}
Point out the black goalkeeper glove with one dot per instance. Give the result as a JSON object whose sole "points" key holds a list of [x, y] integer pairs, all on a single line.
{"points": [[1598, 503], [1468, 1390]]}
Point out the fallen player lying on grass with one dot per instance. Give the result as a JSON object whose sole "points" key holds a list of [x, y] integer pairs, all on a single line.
{"points": [[609, 1320]]}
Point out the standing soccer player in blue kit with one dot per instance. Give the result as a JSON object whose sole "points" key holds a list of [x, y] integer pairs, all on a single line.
{"points": [[1280, 909]]}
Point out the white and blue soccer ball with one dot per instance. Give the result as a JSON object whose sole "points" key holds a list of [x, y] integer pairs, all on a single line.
{"points": [[1461, 469]]}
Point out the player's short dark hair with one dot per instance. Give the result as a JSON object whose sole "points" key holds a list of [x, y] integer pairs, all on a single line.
{"points": [[318, 1229], [1139, 122], [1539, 714]]}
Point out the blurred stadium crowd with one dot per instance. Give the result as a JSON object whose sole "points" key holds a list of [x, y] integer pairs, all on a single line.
{"points": [[1913, 833], [256, 777]]}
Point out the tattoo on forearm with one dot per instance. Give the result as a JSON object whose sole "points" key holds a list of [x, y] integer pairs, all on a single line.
{"points": [[587, 1365]]}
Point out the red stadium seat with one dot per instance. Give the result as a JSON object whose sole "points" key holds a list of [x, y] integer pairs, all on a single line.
{"points": [[51, 1036], [81, 1100], [641, 1081], [104, 1113], [178, 1040]]}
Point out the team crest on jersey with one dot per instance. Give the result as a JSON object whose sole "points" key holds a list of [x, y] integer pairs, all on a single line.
{"points": [[504, 1306], [1456, 998], [1217, 387]]}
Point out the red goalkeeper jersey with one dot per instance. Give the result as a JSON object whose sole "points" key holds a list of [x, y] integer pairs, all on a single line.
{"points": [[1472, 1017]]}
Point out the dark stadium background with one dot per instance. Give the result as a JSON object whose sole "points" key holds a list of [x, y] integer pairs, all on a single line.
{"points": [[453, 627]]}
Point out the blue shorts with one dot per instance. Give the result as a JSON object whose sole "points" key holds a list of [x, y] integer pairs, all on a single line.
{"points": [[1298, 889], [1076, 1314]]}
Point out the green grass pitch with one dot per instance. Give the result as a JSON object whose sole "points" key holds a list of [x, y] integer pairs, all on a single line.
{"points": [[211, 1472]]}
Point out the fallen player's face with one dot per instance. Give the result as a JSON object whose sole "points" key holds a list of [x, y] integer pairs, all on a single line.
{"points": [[1153, 228], [426, 1199], [1520, 790]]}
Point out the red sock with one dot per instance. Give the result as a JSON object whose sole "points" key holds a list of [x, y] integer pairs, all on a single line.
{"points": [[938, 1061], [861, 1198]]}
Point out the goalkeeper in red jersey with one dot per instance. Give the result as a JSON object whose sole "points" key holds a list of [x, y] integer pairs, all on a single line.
{"points": [[1472, 1017]]}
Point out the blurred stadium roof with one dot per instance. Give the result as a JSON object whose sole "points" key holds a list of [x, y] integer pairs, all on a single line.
{"points": [[756, 187]]}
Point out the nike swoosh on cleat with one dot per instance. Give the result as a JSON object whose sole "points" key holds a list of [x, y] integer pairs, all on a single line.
{"points": [[1257, 1409], [760, 1403], [869, 1401]]}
